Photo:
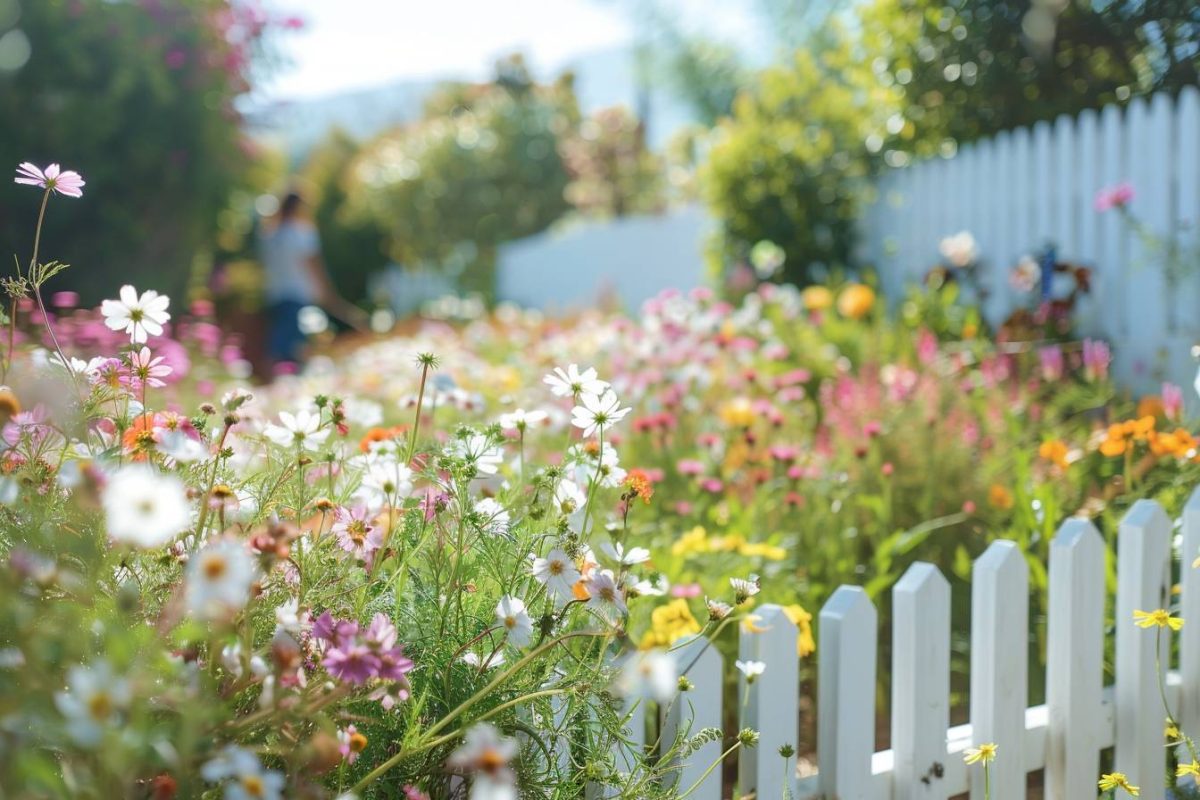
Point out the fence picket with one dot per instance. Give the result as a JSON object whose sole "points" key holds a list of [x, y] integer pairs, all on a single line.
{"points": [[999, 663], [1143, 553], [692, 711], [771, 704], [849, 628], [1075, 656], [1189, 609], [920, 682]]}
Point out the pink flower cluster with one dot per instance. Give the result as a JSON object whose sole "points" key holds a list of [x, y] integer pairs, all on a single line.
{"points": [[356, 656], [1112, 197]]}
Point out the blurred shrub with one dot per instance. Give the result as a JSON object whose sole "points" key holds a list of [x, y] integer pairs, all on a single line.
{"points": [[969, 68], [482, 169], [138, 97], [352, 246], [612, 172], [791, 164]]}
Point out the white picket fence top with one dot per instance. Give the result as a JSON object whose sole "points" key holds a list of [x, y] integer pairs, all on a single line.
{"points": [[1022, 189], [1064, 736]]}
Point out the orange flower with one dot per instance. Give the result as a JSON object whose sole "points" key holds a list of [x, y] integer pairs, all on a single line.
{"points": [[1114, 443], [138, 440], [816, 298], [1000, 497], [1151, 406], [639, 484], [1055, 451], [379, 435], [856, 301]]}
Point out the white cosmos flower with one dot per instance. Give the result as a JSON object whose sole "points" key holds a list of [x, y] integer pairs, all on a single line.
{"points": [[618, 553], [218, 580], [961, 249], [385, 482], [597, 412], [751, 669], [495, 516], [608, 471], [521, 419], [652, 674], [511, 614], [604, 594], [572, 502], [302, 430], [558, 574], [744, 589], [139, 316], [92, 702], [181, 448], [247, 779], [573, 383], [475, 660], [145, 507], [486, 755], [478, 451]]}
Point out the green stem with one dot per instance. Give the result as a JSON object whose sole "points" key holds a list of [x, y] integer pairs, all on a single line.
{"points": [[708, 771]]}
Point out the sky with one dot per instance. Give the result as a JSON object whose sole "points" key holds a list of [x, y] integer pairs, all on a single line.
{"points": [[350, 44]]}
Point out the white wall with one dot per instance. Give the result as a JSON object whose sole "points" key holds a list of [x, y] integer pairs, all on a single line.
{"points": [[633, 258], [1024, 188]]}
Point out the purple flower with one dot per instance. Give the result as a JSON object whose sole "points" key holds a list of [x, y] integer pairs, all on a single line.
{"points": [[1051, 359], [51, 178], [31, 424], [334, 631], [1096, 358], [355, 532], [1112, 197], [352, 662]]}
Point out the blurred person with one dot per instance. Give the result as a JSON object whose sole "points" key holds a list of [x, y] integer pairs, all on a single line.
{"points": [[296, 277]]}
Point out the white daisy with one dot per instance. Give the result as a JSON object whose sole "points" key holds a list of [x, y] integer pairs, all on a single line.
{"points": [[495, 516], [744, 589], [385, 482], [301, 430], [597, 412], [247, 779], [573, 383], [145, 507], [652, 674], [218, 580], [92, 702], [557, 573], [139, 316], [486, 755], [628, 558], [604, 594], [520, 420], [511, 614], [478, 451], [751, 669]]}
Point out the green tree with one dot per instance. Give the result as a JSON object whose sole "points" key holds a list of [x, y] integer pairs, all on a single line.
{"points": [[139, 98], [792, 163], [483, 169], [970, 68], [612, 172]]}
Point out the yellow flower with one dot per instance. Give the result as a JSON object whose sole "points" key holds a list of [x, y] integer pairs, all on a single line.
{"points": [[669, 623], [856, 301], [768, 551], [985, 753], [750, 624], [694, 541], [1000, 497], [806, 645], [1170, 731], [1159, 617], [1151, 405], [1117, 780], [969, 330], [816, 298], [737, 413], [1055, 451], [1192, 769]]}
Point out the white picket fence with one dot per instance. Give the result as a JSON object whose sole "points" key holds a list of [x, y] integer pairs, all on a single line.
{"points": [[1064, 736], [1023, 189]]}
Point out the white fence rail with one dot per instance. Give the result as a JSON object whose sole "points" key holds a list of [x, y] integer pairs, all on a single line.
{"points": [[1024, 189], [1065, 736]]}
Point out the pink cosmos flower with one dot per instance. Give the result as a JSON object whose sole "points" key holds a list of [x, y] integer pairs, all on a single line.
{"points": [[147, 370], [1112, 197], [51, 178], [1096, 358], [687, 590], [355, 532], [1172, 398], [352, 662], [1051, 359]]}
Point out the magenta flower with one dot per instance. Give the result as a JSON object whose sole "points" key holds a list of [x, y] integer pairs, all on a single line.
{"points": [[1051, 359], [1112, 197], [1172, 398], [52, 178], [1096, 358], [352, 662]]}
